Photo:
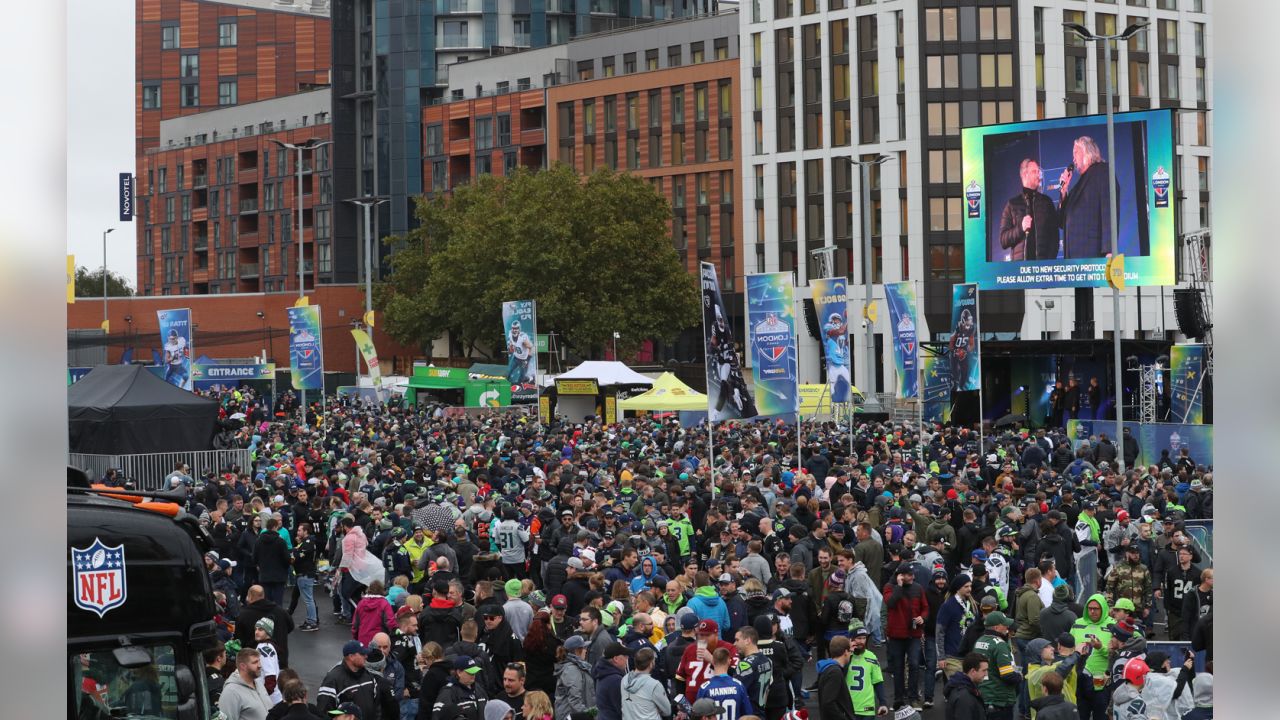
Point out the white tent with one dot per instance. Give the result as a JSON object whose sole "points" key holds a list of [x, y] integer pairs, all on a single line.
{"points": [[605, 373]]}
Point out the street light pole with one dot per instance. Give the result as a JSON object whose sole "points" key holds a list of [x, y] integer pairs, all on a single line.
{"points": [[310, 144], [367, 204], [105, 323], [1085, 34], [865, 168]]}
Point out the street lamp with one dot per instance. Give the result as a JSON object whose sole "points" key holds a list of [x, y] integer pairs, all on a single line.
{"points": [[128, 333], [1045, 306], [368, 203], [105, 324], [1084, 33], [865, 169], [310, 144], [263, 317]]}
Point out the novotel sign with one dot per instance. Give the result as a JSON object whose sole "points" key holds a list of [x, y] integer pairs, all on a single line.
{"points": [[126, 197]]}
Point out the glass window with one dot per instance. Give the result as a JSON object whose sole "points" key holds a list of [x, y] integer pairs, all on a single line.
{"points": [[190, 95], [170, 37], [932, 25], [227, 92], [504, 130], [655, 150], [150, 97], [633, 111], [1169, 37], [1004, 23], [610, 114], [227, 32], [700, 103], [677, 147], [1170, 81], [588, 117], [677, 106], [725, 104], [484, 133], [1139, 76], [986, 23], [950, 25], [1004, 70], [190, 66], [987, 67]]}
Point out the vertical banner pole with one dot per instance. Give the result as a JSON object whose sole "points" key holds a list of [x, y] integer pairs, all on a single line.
{"points": [[977, 321], [919, 375], [537, 385]]}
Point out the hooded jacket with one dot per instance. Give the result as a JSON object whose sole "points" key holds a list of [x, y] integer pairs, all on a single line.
{"points": [[644, 579], [833, 691], [707, 605], [575, 687], [1027, 607], [1054, 707], [1099, 661], [644, 698], [1127, 703], [555, 573], [373, 615], [964, 702], [1058, 617], [608, 690], [433, 681], [858, 584], [903, 605], [243, 701], [441, 622]]}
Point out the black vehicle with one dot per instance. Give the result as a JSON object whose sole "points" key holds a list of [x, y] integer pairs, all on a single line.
{"points": [[140, 609]]}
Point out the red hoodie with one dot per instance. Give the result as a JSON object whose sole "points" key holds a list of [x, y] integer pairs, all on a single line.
{"points": [[903, 604]]}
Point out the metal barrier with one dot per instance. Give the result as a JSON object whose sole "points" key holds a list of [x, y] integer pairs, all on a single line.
{"points": [[148, 471]]}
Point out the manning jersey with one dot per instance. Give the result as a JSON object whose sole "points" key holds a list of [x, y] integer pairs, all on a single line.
{"points": [[862, 676], [695, 672], [729, 695]]}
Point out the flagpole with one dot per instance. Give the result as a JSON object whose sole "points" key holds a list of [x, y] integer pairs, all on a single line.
{"points": [[711, 433], [977, 313], [919, 375]]}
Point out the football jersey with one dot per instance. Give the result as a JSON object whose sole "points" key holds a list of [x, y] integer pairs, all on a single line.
{"points": [[998, 570], [862, 676], [729, 694], [755, 672], [696, 672]]}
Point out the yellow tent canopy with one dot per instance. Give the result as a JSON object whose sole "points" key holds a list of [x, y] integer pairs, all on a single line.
{"points": [[667, 394]]}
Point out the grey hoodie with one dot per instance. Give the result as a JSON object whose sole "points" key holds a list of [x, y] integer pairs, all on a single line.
{"points": [[643, 698], [575, 689], [242, 701], [1128, 704]]}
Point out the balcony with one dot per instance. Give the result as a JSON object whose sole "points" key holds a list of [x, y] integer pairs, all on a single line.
{"points": [[248, 206], [200, 244], [533, 136], [199, 181], [457, 41], [248, 270], [459, 7]]}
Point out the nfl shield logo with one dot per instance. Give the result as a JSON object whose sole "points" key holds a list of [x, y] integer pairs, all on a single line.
{"points": [[97, 577]]}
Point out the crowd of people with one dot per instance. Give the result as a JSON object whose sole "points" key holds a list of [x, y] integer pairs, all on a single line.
{"points": [[569, 570]]}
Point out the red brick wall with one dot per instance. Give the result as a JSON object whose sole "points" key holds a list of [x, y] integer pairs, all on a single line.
{"points": [[233, 318], [457, 129]]}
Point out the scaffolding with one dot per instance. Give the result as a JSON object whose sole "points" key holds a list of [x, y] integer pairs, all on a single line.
{"points": [[1148, 376]]}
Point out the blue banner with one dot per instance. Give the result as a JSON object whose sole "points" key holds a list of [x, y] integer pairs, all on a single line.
{"points": [[1153, 439], [306, 349], [902, 315], [126, 197], [175, 333], [520, 328], [937, 388], [771, 318], [1186, 372], [966, 367], [831, 303], [728, 397]]}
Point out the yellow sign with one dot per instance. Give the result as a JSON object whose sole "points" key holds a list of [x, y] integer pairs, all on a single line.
{"points": [[71, 279], [610, 410], [1115, 271], [870, 312], [368, 318], [106, 326], [302, 301], [577, 387], [544, 409], [815, 399]]}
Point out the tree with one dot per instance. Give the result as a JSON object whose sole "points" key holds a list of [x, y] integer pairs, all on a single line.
{"points": [[89, 284], [595, 255]]}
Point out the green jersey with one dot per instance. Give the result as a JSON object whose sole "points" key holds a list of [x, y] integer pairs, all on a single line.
{"points": [[862, 676], [995, 691], [683, 530]]}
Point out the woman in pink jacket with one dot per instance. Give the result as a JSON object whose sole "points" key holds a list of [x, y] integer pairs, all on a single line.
{"points": [[373, 615]]}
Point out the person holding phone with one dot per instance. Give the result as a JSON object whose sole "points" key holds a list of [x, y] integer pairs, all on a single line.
{"points": [[907, 608]]}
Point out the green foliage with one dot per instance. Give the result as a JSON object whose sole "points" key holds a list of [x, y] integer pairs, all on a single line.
{"points": [[89, 284], [594, 254]]}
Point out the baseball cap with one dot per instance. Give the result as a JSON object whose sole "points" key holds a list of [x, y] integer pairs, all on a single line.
{"points": [[708, 627], [491, 611], [705, 707], [466, 664], [559, 602], [353, 647], [727, 578], [577, 564], [225, 563], [404, 611], [346, 708], [616, 649], [781, 593], [1125, 604], [688, 621], [990, 601], [997, 618], [979, 554], [575, 642], [861, 632]]}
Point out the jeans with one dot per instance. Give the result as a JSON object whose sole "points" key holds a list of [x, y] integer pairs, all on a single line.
{"points": [[1092, 704], [929, 676], [408, 708], [904, 659], [274, 592], [307, 588]]}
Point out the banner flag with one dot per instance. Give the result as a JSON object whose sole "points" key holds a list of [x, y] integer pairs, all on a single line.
{"points": [[937, 388], [831, 303], [902, 315], [966, 367], [727, 394], [370, 354], [175, 333], [771, 317], [520, 327], [1186, 371], [71, 279], [306, 347]]}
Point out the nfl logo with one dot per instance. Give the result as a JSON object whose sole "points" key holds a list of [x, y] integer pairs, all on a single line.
{"points": [[97, 577]]}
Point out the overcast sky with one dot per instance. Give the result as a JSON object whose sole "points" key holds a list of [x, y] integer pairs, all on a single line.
{"points": [[100, 39]]}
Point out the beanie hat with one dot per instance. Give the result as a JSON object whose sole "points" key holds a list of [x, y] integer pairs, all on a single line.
{"points": [[958, 582], [512, 589], [1062, 592]]}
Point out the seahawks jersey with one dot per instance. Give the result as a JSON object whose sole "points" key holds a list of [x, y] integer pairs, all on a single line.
{"points": [[862, 676], [730, 695], [756, 674], [998, 570]]}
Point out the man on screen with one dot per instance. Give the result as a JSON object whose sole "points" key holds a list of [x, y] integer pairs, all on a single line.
{"points": [[1029, 223], [1086, 202]]}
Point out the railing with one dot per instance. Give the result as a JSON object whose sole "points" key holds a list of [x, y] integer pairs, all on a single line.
{"points": [[455, 40], [248, 270], [148, 471], [249, 206], [200, 181], [450, 7]]}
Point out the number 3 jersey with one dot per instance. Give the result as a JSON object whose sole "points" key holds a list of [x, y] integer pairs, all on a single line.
{"points": [[862, 676]]}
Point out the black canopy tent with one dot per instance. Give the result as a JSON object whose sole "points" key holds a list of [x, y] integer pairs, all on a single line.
{"points": [[124, 409]]}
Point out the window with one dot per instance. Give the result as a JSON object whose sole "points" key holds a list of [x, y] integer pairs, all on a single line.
{"points": [[700, 103], [633, 111], [674, 55], [783, 8], [677, 191], [484, 133], [190, 66], [1198, 33], [1169, 37], [610, 114], [633, 153], [439, 176], [455, 33], [150, 97], [1200, 85], [629, 63], [704, 188], [726, 187], [586, 70], [190, 95], [655, 149], [435, 140], [1169, 82], [504, 130], [227, 32], [588, 118], [722, 48], [227, 92], [186, 209], [1004, 70], [1077, 80], [611, 153], [325, 262], [1202, 173], [726, 142], [163, 179], [677, 106], [484, 165], [510, 163], [700, 145], [607, 67], [1004, 23], [1139, 74], [170, 37], [651, 59], [1038, 22], [696, 53], [1040, 71], [677, 147]]}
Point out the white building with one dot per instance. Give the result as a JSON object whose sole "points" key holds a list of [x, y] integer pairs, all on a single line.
{"points": [[823, 80]]}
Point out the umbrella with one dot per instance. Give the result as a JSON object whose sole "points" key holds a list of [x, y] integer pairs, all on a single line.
{"points": [[1009, 420], [436, 516], [237, 416]]}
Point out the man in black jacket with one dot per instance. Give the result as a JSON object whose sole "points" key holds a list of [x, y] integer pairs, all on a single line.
{"points": [[1086, 196], [833, 689], [271, 557], [964, 702], [351, 681], [1029, 223], [256, 607], [555, 572]]}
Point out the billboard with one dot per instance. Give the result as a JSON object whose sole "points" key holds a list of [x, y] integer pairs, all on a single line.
{"points": [[1186, 371], [964, 350], [306, 348], [902, 316], [936, 392], [831, 302], [1037, 201], [727, 394], [1153, 439], [771, 319], [175, 333], [519, 327]]}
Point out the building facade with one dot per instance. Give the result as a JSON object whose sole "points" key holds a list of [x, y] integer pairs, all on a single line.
{"points": [[826, 81]]}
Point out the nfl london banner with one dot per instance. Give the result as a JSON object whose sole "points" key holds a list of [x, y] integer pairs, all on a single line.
{"points": [[520, 327], [902, 315], [370, 355], [1186, 371], [937, 388], [306, 349], [966, 371], [831, 302], [771, 318], [175, 333], [727, 394]]}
